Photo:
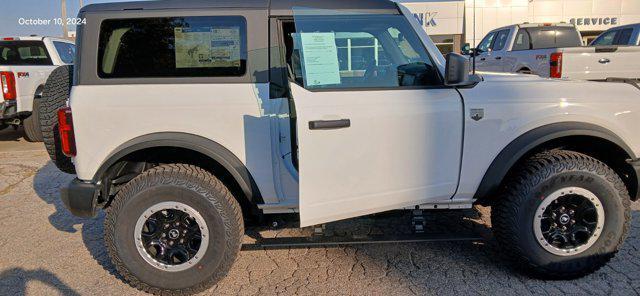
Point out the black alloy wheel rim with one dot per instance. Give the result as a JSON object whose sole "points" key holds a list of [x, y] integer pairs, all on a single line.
{"points": [[568, 221], [171, 236]]}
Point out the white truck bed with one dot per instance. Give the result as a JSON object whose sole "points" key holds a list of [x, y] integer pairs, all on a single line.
{"points": [[600, 63]]}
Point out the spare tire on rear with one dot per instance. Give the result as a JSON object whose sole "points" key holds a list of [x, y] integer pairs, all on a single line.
{"points": [[54, 96]]}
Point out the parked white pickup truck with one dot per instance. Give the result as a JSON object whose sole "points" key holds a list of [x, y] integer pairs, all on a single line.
{"points": [[525, 48], [554, 50], [614, 54], [25, 65]]}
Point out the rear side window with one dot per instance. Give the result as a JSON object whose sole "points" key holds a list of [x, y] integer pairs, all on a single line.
{"points": [[66, 51], [202, 46], [522, 42], [501, 40], [24, 53], [551, 37]]}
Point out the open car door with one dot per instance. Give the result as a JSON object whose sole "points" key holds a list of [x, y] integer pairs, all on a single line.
{"points": [[377, 130]]}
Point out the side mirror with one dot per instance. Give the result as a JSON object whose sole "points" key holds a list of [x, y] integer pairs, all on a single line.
{"points": [[457, 70]]}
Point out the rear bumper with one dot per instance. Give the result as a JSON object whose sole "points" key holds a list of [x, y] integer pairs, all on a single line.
{"points": [[80, 198], [636, 166], [8, 110]]}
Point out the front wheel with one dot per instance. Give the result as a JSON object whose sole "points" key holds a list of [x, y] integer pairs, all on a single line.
{"points": [[563, 215], [175, 229]]}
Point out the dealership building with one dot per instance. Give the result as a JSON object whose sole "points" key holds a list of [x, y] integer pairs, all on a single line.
{"points": [[450, 23]]}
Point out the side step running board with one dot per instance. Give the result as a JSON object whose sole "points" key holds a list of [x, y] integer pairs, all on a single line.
{"points": [[333, 241]]}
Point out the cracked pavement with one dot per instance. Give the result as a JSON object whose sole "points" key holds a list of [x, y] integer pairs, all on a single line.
{"points": [[44, 250]]}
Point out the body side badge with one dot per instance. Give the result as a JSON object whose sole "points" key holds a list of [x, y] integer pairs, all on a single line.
{"points": [[477, 114]]}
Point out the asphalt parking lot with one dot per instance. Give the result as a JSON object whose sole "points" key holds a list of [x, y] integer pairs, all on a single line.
{"points": [[46, 251]]}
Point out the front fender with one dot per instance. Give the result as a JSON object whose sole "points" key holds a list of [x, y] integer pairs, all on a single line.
{"points": [[515, 105], [525, 143]]}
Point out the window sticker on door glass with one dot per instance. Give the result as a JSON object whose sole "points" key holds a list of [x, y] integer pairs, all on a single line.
{"points": [[320, 64], [207, 47]]}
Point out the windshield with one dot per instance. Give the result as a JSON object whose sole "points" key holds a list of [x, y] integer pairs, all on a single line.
{"points": [[23, 53]]}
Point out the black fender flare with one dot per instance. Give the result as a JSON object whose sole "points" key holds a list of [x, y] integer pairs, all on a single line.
{"points": [[205, 146], [515, 150]]}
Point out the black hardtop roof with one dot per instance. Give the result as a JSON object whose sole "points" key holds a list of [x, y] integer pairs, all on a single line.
{"points": [[280, 7]]}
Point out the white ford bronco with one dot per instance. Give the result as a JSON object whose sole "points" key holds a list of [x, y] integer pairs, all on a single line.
{"points": [[25, 65], [188, 117]]}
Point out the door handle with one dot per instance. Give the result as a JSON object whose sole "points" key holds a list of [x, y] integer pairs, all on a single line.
{"points": [[498, 58], [329, 124], [604, 61]]}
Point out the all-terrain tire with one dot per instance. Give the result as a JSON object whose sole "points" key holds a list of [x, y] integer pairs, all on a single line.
{"points": [[54, 96], [32, 131], [536, 180], [191, 186]]}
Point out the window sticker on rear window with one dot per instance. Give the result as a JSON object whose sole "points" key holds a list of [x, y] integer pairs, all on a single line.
{"points": [[207, 47], [191, 46]]}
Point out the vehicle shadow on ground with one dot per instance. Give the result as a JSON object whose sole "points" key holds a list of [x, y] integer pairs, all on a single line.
{"points": [[14, 281], [47, 182], [468, 267]]}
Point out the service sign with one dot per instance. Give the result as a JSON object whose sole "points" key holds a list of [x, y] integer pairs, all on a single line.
{"points": [[595, 22]]}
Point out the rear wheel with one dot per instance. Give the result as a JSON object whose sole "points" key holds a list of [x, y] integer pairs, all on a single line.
{"points": [[32, 132], [54, 96], [564, 215], [175, 229]]}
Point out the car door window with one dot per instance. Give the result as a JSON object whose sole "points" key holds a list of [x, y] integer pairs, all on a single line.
{"points": [[485, 44], [624, 36], [607, 38], [522, 42], [364, 51], [501, 40]]}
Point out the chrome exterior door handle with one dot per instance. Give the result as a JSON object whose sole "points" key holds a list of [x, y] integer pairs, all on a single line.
{"points": [[604, 61]]}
